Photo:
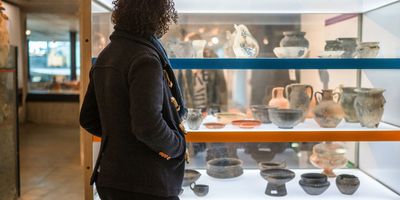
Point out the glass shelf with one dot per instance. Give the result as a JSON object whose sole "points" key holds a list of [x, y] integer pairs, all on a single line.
{"points": [[278, 63], [309, 131], [272, 6], [252, 186]]}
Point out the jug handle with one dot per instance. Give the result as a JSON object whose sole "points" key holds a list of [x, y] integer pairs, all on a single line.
{"points": [[288, 91], [312, 91], [318, 94], [339, 96], [274, 92]]}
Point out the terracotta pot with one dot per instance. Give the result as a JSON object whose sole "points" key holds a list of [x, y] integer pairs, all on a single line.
{"points": [[278, 100], [299, 98], [327, 113], [369, 105], [348, 95], [329, 156], [294, 39]]}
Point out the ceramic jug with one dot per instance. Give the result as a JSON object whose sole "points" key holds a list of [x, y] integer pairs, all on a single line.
{"points": [[194, 118], [348, 95], [278, 100], [294, 39], [244, 44], [369, 105], [298, 97], [328, 113]]}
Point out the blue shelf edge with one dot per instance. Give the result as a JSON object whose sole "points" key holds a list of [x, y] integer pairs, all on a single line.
{"points": [[278, 63]]}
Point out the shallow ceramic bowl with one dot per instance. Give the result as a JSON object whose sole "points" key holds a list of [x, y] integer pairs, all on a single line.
{"points": [[227, 118], [224, 168], [347, 184], [286, 118], [260, 112], [331, 54], [291, 52], [214, 125], [271, 165], [190, 176], [277, 176], [313, 178]]}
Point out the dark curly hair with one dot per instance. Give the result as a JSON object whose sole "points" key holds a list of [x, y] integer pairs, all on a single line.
{"points": [[144, 17]]}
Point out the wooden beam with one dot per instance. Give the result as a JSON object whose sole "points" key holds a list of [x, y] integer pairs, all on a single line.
{"points": [[86, 55]]}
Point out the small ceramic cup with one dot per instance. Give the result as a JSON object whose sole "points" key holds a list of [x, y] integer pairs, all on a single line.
{"points": [[199, 189], [347, 184]]}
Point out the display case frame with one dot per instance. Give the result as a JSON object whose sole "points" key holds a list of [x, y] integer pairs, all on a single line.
{"points": [[391, 134]]}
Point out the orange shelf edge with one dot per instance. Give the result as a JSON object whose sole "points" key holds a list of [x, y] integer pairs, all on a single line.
{"points": [[292, 136]]}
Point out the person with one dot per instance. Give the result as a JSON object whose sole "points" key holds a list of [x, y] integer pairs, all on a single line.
{"points": [[134, 104]]}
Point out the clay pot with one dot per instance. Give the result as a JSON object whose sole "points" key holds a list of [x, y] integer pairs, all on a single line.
{"points": [[347, 184], [314, 184], [277, 179], [190, 176], [224, 168], [332, 45], [299, 97], [348, 95], [369, 105], [286, 118], [278, 100], [349, 46], [260, 112], [368, 49], [294, 39], [327, 113], [329, 156], [271, 165], [194, 118]]}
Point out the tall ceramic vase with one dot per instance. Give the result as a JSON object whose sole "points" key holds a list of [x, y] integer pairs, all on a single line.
{"points": [[4, 38], [278, 100], [298, 97], [244, 44], [198, 47], [369, 105], [328, 113]]}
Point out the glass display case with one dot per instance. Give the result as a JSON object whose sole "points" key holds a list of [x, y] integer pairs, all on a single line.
{"points": [[278, 90], [8, 134]]}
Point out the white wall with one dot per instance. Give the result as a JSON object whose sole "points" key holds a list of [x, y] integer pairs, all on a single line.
{"points": [[14, 28], [380, 159]]}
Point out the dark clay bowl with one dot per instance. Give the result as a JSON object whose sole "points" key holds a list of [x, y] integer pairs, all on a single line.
{"points": [[224, 168], [286, 118], [271, 165], [347, 184], [260, 112], [314, 184], [190, 177]]}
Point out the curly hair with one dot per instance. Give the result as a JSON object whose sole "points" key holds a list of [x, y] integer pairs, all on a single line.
{"points": [[144, 17]]}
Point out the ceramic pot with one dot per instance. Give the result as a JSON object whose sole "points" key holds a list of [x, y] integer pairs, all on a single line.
{"points": [[369, 105], [314, 184], [278, 100], [329, 156], [347, 184], [327, 113], [224, 168], [368, 49], [260, 112], [332, 45], [294, 39], [299, 97], [286, 118], [194, 118], [190, 176], [271, 165], [244, 44], [348, 95], [349, 46], [199, 190], [277, 179]]}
